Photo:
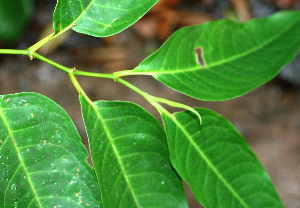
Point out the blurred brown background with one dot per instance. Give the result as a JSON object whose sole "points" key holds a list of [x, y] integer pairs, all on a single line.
{"points": [[268, 117]]}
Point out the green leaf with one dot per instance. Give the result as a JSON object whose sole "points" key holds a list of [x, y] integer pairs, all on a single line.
{"points": [[14, 16], [217, 163], [42, 160], [223, 59], [130, 156], [99, 18]]}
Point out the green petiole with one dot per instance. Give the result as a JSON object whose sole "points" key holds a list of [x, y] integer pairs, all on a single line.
{"points": [[154, 101]]}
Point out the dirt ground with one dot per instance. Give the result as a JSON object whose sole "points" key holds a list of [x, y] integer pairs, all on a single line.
{"points": [[268, 117]]}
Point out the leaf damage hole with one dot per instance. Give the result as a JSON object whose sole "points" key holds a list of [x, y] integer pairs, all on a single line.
{"points": [[199, 56]]}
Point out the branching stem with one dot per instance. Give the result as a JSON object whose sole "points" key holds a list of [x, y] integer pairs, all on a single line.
{"points": [[154, 101], [148, 97], [45, 40], [80, 90], [39, 44]]}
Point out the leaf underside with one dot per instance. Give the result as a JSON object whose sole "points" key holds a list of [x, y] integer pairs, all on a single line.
{"points": [[42, 160], [222, 59], [130, 156], [99, 18], [215, 160]]}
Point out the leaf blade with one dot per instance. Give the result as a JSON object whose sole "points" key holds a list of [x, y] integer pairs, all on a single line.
{"points": [[130, 156], [217, 163], [99, 18], [221, 59], [49, 160]]}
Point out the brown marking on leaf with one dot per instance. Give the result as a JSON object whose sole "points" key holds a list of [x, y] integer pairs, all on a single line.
{"points": [[58, 24], [77, 194], [87, 204], [79, 201], [55, 169], [199, 56], [7, 99], [26, 104], [63, 157]]}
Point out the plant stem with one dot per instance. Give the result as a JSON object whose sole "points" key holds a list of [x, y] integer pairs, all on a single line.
{"points": [[45, 40], [92, 74], [37, 56], [80, 90], [178, 105], [61, 67], [39, 44], [131, 72], [154, 101], [14, 51], [148, 97]]}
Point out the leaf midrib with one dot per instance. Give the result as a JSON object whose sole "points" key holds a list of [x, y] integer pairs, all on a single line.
{"points": [[79, 16], [228, 60], [206, 159], [10, 132], [117, 155]]}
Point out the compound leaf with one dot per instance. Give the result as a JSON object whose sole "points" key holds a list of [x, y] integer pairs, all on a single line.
{"points": [[223, 59], [99, 18], [42, 160], [130, 156], [217, 163]]}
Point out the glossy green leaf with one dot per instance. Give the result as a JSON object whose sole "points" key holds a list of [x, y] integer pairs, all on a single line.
{"points": [[223, 59], [42, 160], [217, 163], [130, 156], [99, 18], [14, 16]]}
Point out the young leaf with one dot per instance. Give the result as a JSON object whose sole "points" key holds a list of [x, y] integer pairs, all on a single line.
{"points": [[42, 160], [99, 18], [223, 59], [130, 156], [217, 163]]}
